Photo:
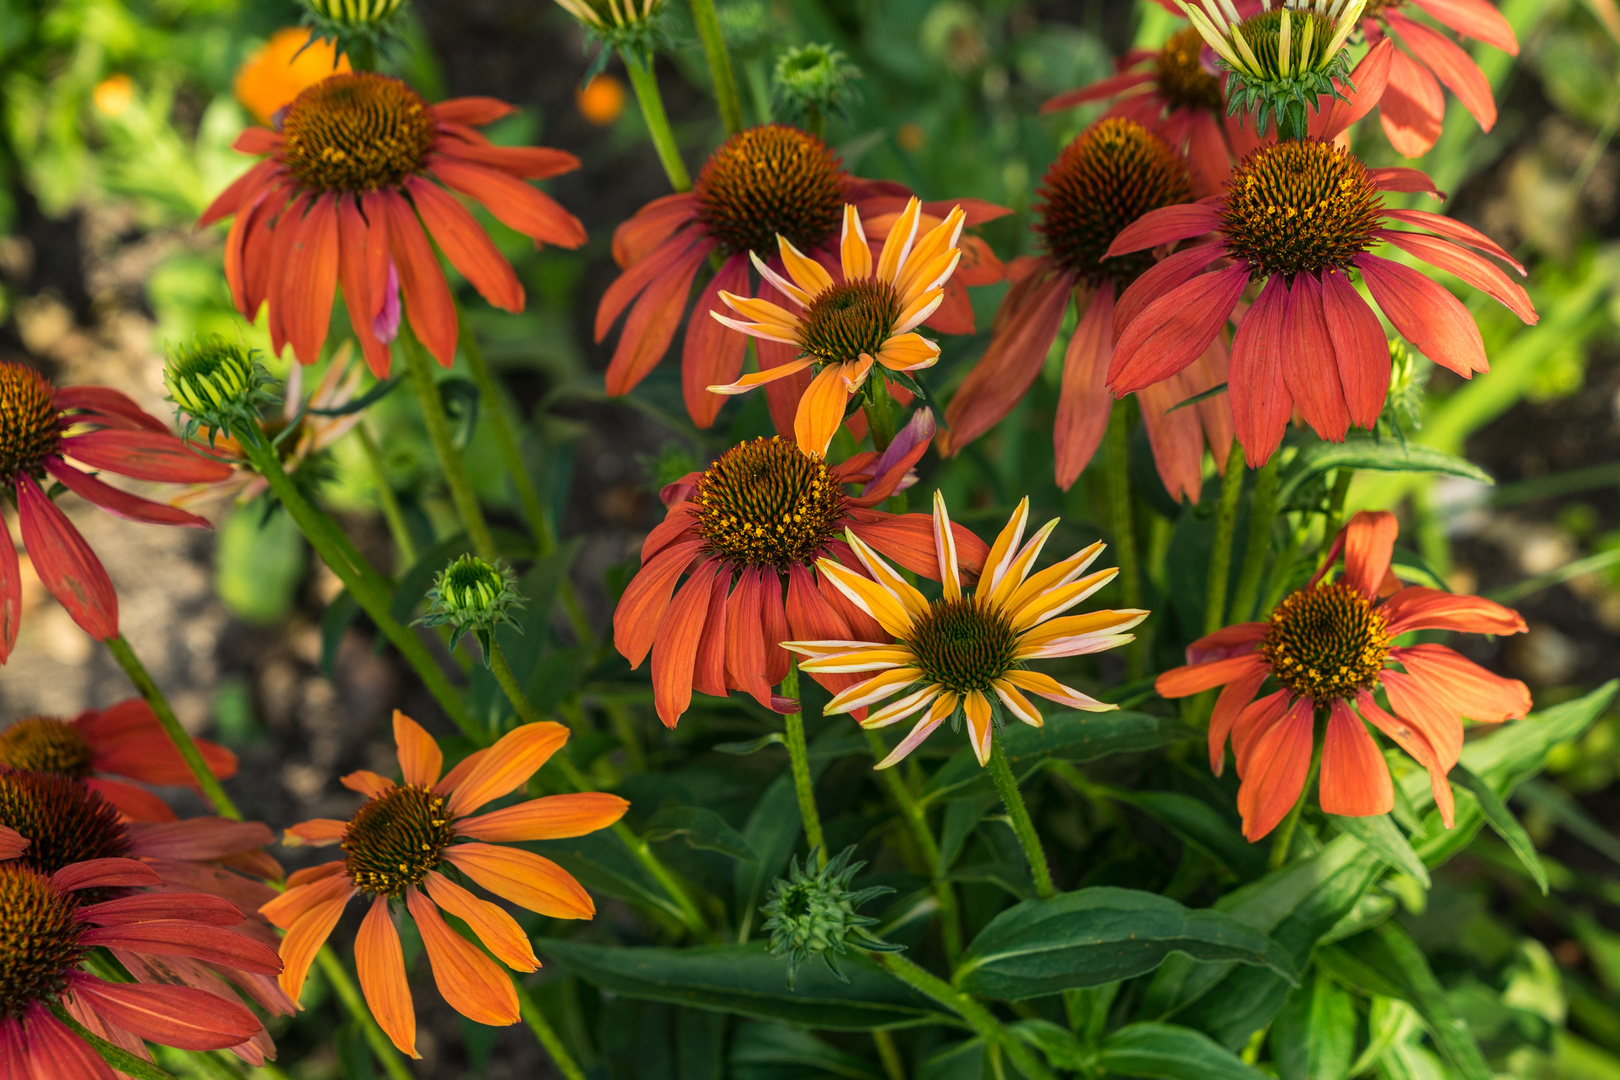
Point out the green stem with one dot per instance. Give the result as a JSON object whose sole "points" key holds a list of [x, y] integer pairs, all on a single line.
{"points": [[1007, 787], [645, 84], [893, 1067], [1119, 511], [178, 735], [950, 925], [1283, 841], [383, 1047], [391, 511], [1284, 569], [419, 370], [317, 529], [977, 1016], [547, 1035], [580, 782], [1220, 556], [1341, 491], [714, 51], [880, 418], [1254, 555], [799, 757]]}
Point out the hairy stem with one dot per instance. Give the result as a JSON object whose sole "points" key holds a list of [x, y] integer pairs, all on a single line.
{"points": [[546, 1034], [977, 1016], [799, 757], [714, 51], [950, 925], [183, 742], [1117, 464], [880, 414], [1220, 556], [391, 511], [1007, 787], [381, 1045], [419, 371], [645, 84], [1254, 555]]}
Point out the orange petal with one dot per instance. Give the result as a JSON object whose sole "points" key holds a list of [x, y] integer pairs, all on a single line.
{"points": [[468, 979], [459, 773], [980, 730], [304, 896], [509, 764], [1355, 781], [380, 962], [317, 831], [499, 932], [555, 817], [1275, 770], [821, 411], [855, 252], [306, 937], [367, 782], [524, 878], [420, 759]]}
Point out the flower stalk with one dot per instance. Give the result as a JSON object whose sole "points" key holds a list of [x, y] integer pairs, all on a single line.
{"points": [[338, 976], [1023, 826], [799, 759], [719, 60], [546, 1034], [977, 1016], [1261, 515], [950, 926], [645, 83], [419, 372], [1117, 475], [1220, 555]]}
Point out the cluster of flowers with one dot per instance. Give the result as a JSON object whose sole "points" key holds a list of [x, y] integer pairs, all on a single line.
{"points": [[1198, 251]]}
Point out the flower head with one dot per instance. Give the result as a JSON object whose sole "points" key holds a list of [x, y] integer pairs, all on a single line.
{"points": [[213, 382], [634, 25], [356, 179], [966, 654], [1302, 216], [50, 922], [1107, 177], [811, 81], [747, 533], [761, 183], [403, 844], [99, 746], [1327, 650], [42, 427], [813, 912], [845, 326], [475, 596]]}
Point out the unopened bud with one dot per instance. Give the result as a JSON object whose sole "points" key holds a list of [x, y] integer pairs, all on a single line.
{"points": [[813, 81], [213, 381], [354, 12], [473, 596], [813, 913]]}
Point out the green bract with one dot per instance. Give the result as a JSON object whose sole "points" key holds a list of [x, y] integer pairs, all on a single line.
{"points": [[813, 913], [471, 595]]}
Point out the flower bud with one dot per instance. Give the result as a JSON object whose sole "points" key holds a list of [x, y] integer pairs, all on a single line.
{"points": [[812, 81], [213, 381], [813, 913], [472, 595], [354, 12], [634, 25]]}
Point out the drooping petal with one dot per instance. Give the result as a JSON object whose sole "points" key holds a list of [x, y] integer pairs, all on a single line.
{"points": [[1367, 85], [379, 960], [1274, 771], [1261, 403], [1084, 403], [55, 1053], [144, 455], [1360, 349], [366, 783], [941, 711], [474, 110], [1355, 781], [121, 503], [1175, 329], [307, 890], [526, 879], [1413, 703], [197, 907], [1454, 67], [468, 979], [65, 563], [979, 729], [196, 838], [1426, 314], [10, 592], [1412, 108], [1440, 225], [1309, 364], [428, 304], [183, 937], [104, 405], [420, 759], [311, 279], [1464, 686], [499, 932], [821, 410], [1166, 225], [675, 646], [712, 355], [1476, 19], [653, 320], [178, 1016], [641, 608], [745, 640], [512, 202], [305, 938], [317, 832], [555, 817], [1049, 688], [1417, 745], [466, 244], [1235, 697], [1472, 268], [1164, 276], [104, 874], [517, 756]]}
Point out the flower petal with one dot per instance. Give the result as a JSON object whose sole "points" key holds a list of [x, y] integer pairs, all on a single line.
{"points": [[943, 707], [10, 592], [428, 304], [1261, 403], [526, 879], [468, 979], [1275, 767], [555, 817], [1084, 403], [1355, 781], [499, 932], [1464, 686], [466, 244], [144, 455], [1417, 608], [178, 1016], [65, 563], [121, 503], [379, 960], [710, 355], [1175, 329], [508, 765], [420, 759], [512, 202]]}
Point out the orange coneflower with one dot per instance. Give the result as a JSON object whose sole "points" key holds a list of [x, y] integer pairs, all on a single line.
{"points": [[396, 846], [747, 532], [41, 427], [356, 178], [1109, 176], [763, 182], [1170, 92], [1301, 216], [965, 655], [124, 740], [868, 315], [1328, 647], [50, 922]]}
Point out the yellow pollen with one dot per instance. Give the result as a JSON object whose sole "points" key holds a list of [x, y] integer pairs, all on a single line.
{"points": [[1300, 206], [768, 503], [395, 839], [356, 132], [1327, 642]]}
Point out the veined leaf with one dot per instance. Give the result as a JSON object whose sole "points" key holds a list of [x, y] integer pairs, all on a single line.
{"points": [[1170, 1052], [703, 828], [763, 1050], [1500, 818], [1100, 935], [1314, 1036], [1199, 824], [747, 980], [1383, 838], [1376, 455]]}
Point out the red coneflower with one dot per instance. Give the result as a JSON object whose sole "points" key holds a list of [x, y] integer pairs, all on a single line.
{"points": [[355, 180], [746, 532], [125, 740], [396, 846], [41, 427], [1301, 216], [1170, 92], [49, 924], [966, 656], [763, 182], [1328, 648], [1109, 176]]}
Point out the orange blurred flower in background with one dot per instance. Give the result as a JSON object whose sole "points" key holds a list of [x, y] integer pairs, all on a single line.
{"points": [[279, 72], [601, 101]]}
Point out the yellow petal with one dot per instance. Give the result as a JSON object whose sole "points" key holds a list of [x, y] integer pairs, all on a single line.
{"points": [[1058, 600], [902, 708], [760, 378], [980, 730], [908, 352], [898, 244], [821, 410], [854, 251], [810, 275], [880, 686], [1018, 704], [1019, 567], [1005, 548], [869, 596], [913, 601], [945, 549], [942, 708]]}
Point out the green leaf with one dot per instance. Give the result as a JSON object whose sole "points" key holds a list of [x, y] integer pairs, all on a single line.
{"points": [[1562, 808], [1383, 838], [962, 816], [1376, 455], [1169, 1052], [1069, 736], [748, 981], [1500, 818], [340, 614], [602, 863], [1386, 961], [771, 1051], [1199, 825], [1314, 1036], [702, 828], [1099, 935]]}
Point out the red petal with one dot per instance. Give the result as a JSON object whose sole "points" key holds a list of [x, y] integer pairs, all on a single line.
{"points": [[774, 627], [363, 273], [1400, 178], [1274, 771], [428, 303], [713, 354], [675, 646], [654, 319], [240, 190], [182, 937], [1413, 107], [1084, 402], [1355, 781], [1450, 228], [1101, 90], [1451, 64], [1162, 277], [197, 838], [635, 278], [127, 739], [108, 406], [144, 455], [745, 637], [654, 223], [908, 539], [811, 618], [144, 907], [524, 162], [1175, 329], [133, 803], [311, 280], [121, 503], [65, 563], [1360, 348], [1417, 608], [1309, 366], [1196, 678], [1464, 686], [1165, 226], [1475, 19], [1368, 84], [641, 608], [1237, 696], [513, 202], [709, 667], [1426, 314], [1416, 745], [104, 874], [1261, 404], [1472, 268], [10, 592], [55, 1053], [472, 111], [466, 244]]}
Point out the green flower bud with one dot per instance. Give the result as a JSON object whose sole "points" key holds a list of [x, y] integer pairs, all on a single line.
{"points": [[1408, 379], [213, 381], [358, 29], [638, 26], [471, 595], [354, 12], [813, 81], [813, 913]]}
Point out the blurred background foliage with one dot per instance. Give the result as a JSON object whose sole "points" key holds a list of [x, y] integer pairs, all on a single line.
{"points": [[115, 125]]}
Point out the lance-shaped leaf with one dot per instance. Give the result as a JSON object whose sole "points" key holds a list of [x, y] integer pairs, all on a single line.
{"points": [[1377, 455], [1168, 1052]]}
